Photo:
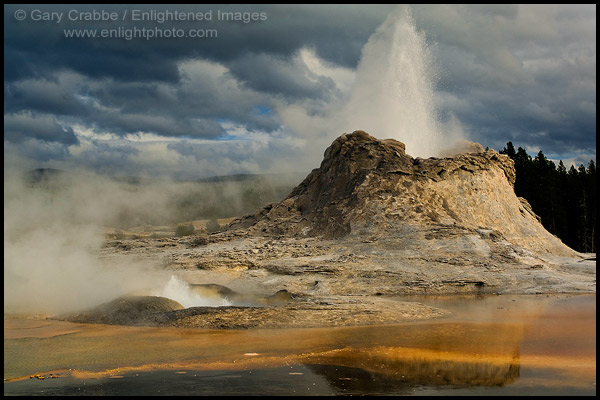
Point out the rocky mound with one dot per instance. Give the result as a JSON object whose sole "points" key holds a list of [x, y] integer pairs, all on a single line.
{"points": [[367, 189], [127, 310]]}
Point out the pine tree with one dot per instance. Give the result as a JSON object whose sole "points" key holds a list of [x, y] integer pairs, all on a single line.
{"points": [[509, 150], [564, 199], [561, 202], [574, 194], [545, 191], [524, 178]]}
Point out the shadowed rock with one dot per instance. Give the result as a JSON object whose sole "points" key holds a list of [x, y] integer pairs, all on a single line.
{"points": [[127, 310]]}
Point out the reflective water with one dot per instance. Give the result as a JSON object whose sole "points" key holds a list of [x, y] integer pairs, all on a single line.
{"points": [[490, 345]]}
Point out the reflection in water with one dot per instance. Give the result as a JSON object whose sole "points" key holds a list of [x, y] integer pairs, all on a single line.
{"points": [[430, 354], [427, 368], [403, 376], [440, 352], [500, 342]]}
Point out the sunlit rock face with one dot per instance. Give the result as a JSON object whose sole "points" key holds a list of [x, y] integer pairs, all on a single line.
{"points": [[372, 189]]}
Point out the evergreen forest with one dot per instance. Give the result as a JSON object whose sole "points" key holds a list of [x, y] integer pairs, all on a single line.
{"points": [[564, 199]]}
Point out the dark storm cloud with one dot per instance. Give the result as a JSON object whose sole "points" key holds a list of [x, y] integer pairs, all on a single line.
{"points": [[33, 47], [525, 73], [55, 95], [203, 92], [123, 124], [71, 98], [23, 126], [38, 48], [276, 75], [124, 87], [187, 108]]}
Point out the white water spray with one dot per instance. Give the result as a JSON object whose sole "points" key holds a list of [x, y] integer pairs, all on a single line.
{"points": [[393, 94], [178, 290]]}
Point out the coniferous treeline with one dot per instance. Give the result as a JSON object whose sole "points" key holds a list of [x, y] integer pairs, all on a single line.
{"points": [[565, 200]]}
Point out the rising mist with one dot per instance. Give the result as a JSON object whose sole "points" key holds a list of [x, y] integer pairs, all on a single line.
{"points": [[55, 227]]}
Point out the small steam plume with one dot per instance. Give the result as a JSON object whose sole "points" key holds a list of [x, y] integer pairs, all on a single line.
{"points": [[179, 290]]}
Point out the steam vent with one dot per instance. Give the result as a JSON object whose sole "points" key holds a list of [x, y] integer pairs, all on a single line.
{"points": [[371, 190]]}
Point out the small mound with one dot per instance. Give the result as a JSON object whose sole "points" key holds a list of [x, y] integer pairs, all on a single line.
{"points": [[127, 310]]}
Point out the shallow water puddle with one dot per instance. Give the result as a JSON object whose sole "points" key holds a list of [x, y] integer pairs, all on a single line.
{"points": [[489, 345]]}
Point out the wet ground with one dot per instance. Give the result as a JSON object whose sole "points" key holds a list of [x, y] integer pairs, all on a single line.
{"points": [[489, 345]]}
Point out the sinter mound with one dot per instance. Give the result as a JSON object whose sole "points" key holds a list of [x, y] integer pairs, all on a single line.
{"points": [[370, 188]]}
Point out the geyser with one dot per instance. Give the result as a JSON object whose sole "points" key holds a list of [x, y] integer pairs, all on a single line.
{"points": [[393, 94]]}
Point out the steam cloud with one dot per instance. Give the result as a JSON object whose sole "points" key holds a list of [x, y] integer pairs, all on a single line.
{"points": [[52, 236], [54, 230]]}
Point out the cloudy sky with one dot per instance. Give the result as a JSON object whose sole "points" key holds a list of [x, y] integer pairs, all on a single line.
{"points": [[257, 94]]}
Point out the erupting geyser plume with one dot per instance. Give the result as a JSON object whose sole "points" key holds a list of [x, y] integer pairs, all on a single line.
{"points": [[393, 95]]}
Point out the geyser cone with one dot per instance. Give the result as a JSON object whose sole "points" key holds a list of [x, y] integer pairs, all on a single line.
{"points": [[368, 188]]}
